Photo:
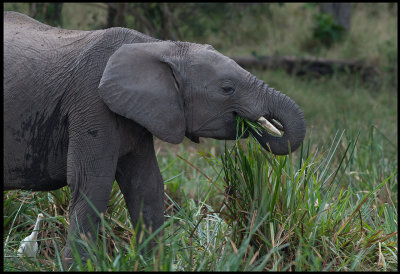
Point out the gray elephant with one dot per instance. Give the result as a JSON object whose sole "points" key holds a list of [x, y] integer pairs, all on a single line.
{"points": [[81, 109]]}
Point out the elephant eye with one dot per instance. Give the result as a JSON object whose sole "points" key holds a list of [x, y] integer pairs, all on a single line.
{"points": [[228, 90]]}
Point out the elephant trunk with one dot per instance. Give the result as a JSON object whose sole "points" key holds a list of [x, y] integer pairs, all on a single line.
{"points": [[281, 108]]}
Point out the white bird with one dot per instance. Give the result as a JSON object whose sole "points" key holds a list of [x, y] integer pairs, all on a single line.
{"points": [[29, 245]]}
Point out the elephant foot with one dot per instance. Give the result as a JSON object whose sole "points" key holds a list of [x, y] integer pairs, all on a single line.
{"points": [[68, 260]]}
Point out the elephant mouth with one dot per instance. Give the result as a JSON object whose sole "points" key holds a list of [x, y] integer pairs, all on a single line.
{"points": [[269, 126]]}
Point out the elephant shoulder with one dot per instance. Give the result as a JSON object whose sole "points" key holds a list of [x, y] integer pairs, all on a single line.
{"points": [[126, 36]]}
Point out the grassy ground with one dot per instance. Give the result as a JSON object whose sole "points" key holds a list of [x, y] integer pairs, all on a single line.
{"points": [[331, 205]]}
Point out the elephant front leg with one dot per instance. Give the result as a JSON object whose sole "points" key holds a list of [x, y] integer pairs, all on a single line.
{"points": [[90, 184], [140, 181]]}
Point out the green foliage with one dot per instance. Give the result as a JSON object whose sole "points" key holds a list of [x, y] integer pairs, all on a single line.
{"points": [[326, 29], [389, 52], [48, 13], [19, 7], [191, 21], [152, 13]]}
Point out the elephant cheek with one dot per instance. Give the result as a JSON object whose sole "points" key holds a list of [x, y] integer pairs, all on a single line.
{"points": [[229, 131]]}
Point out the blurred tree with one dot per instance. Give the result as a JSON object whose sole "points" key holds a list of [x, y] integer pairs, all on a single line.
{"points": [[170, 29], [49, 13], [200, 20], [341, 12], [183, 21], [156, 19], [116, 15]]}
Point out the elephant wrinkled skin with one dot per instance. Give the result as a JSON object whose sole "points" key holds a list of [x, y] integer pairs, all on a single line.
{"points": [[81, 109]]}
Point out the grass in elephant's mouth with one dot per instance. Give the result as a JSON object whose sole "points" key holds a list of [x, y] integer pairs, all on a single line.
{"points": [[242, 124]]}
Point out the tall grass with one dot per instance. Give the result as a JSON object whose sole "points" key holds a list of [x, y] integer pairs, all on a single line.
{"points": [[275, 213], [301, 203]]}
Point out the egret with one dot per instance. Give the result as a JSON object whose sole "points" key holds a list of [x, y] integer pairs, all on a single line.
{"points": [[29, 245]]}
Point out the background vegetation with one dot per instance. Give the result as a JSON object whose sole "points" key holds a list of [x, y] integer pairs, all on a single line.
{"points": [[331, 205]]}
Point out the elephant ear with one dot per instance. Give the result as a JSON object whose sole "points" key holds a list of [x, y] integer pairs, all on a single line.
{"points": [[141, 82]]}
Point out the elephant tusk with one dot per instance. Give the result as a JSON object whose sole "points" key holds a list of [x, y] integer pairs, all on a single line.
{"points": [[277, 124], [268, 126]]}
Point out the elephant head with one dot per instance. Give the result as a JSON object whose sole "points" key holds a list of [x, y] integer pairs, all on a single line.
{"points": [[175, 89]]}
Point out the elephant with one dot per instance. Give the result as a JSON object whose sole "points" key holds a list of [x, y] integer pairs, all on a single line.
{"points": [[82, 108]]}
